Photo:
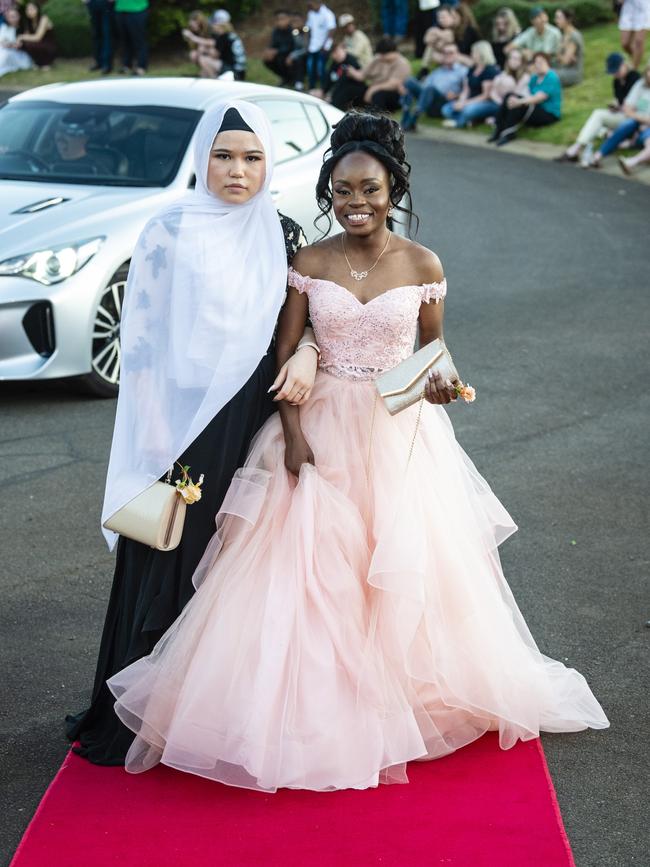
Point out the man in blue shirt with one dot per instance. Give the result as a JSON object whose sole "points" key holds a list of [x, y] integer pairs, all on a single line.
{"points": [[439, 87], [542, 107]]}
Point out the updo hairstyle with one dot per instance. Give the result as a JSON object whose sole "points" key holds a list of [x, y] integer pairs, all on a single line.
{"points": [[382, 138]]}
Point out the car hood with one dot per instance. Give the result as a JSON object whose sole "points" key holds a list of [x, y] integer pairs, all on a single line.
{"points": [[30, 216]]}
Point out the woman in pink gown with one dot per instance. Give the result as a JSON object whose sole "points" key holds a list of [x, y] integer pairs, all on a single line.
{"points": [[351, 614]]}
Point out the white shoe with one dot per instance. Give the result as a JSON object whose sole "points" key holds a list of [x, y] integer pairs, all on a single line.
{"points": [[449, 124], [299, 86]]}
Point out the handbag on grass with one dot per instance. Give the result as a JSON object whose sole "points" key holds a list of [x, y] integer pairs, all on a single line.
{"points": [[157, 515], [404, 385]]}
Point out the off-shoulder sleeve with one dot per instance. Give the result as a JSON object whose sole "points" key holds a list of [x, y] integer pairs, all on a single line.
{"points": [[298, 281], [434, 291]]}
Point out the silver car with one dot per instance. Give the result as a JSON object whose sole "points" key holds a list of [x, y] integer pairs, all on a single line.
{"points": [[82, 168]]}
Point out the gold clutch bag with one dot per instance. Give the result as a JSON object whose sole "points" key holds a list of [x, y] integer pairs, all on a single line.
{"points": [[404, 385], [155, 517]]}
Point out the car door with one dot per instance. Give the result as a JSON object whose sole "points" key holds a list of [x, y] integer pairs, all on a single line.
{"points": [[301, 135]]}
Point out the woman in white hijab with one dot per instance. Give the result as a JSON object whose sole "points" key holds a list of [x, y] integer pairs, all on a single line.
{"points": [[206, 284]]}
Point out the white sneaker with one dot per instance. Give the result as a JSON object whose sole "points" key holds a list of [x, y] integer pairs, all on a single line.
{"points": [[299, 86], [449, 124]]}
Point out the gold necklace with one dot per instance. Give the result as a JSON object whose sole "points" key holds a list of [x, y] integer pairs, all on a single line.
{"points": [[361, 275]]}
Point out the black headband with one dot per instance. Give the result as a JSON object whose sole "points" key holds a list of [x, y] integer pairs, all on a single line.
{"points": [[232, 120]]}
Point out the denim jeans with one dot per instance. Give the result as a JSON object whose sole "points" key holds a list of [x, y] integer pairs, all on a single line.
{"points": [[625, 130], [427, 101], [317, 69], [395, 17], [102, 22], [473, 111]]}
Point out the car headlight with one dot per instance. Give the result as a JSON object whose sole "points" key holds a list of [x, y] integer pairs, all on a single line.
{"points": [[53, 265]]}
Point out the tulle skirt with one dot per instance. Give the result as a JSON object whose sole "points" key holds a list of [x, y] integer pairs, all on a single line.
{"points": [[348, 621]]}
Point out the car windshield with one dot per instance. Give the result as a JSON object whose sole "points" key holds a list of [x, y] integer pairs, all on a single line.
{"points": [[138, 146]]}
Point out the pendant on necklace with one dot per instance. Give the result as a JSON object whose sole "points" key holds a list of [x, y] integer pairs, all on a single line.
{"points": [[358, 275]]}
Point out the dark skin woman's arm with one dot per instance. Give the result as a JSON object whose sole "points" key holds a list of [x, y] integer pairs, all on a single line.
{"points": [[290, 329], [430, 328]]}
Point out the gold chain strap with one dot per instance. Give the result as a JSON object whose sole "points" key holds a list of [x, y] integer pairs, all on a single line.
{"points": [[372, 428]]}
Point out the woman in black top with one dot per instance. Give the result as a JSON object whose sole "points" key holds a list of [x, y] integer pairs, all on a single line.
{"points": [[151, 587]]}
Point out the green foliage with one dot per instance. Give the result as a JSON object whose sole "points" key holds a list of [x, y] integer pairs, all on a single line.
{"points": [[167, 17], [71, 26], [588, 12]]}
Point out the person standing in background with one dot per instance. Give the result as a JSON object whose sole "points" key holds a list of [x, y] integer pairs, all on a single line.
{"points": [[321, 22], [354, 40], [132, 18], [634, 23], [102, 23], [395, 18], [279, 57]]}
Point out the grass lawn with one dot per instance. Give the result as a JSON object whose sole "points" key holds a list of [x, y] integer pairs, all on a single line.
{"points": [[595, 90]]}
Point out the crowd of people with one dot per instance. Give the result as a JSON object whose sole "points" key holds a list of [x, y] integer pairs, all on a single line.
{"points": [[26, 37], [514, 77], [511, 77]]}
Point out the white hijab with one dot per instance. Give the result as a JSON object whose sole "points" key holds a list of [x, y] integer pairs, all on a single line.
{"points": [[205, 287]]}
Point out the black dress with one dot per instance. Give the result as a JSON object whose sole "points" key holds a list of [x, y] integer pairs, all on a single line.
{"points": [[150, 587]]}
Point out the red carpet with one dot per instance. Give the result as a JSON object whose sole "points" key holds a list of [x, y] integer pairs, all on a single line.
{"points": [[480, 807]]}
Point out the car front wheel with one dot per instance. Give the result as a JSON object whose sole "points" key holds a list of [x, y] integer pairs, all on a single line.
{"points": [[104, 377]]}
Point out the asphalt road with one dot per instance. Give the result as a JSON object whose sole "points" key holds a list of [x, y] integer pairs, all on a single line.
{"points": [[547, 316]]}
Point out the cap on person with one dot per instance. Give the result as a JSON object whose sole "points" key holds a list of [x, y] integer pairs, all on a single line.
{"points": [[614, 62], [535, 11], [221, 16], [345, 19]]}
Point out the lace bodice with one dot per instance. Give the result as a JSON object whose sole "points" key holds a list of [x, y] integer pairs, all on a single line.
{"points": [[360, 341]]}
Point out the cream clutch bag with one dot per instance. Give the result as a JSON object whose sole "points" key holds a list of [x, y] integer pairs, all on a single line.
{"points": [[155, 517], [404, 385]]}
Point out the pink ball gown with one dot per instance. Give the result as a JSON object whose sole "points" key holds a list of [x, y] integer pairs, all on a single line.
{"points": [[357, 618]]}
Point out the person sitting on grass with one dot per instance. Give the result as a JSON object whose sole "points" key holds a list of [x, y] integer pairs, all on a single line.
{"points": [[280, 56], [197, 35], [455, 24], [227, 54], [473, 103], [354, 40], [341, 90], [38, 37], [505, 27], [600, 119], [570, 56], [12, 57], [540, 36], [636, 110], [381, 82], [428, 96], [514, 78], [542, 107]]}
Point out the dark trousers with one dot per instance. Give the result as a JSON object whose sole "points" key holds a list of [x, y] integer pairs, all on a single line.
{"points": [[509, 120], [394, 17], [385, 100], [133, 34], [421, 23], [348, 93], [287, 72], [102, 22], [317, 69]]}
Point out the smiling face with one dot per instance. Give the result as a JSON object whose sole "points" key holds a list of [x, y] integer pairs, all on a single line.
{"points": [[360, 193], [12, 17], [237, 166], [31, 10], [445, 19]]}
